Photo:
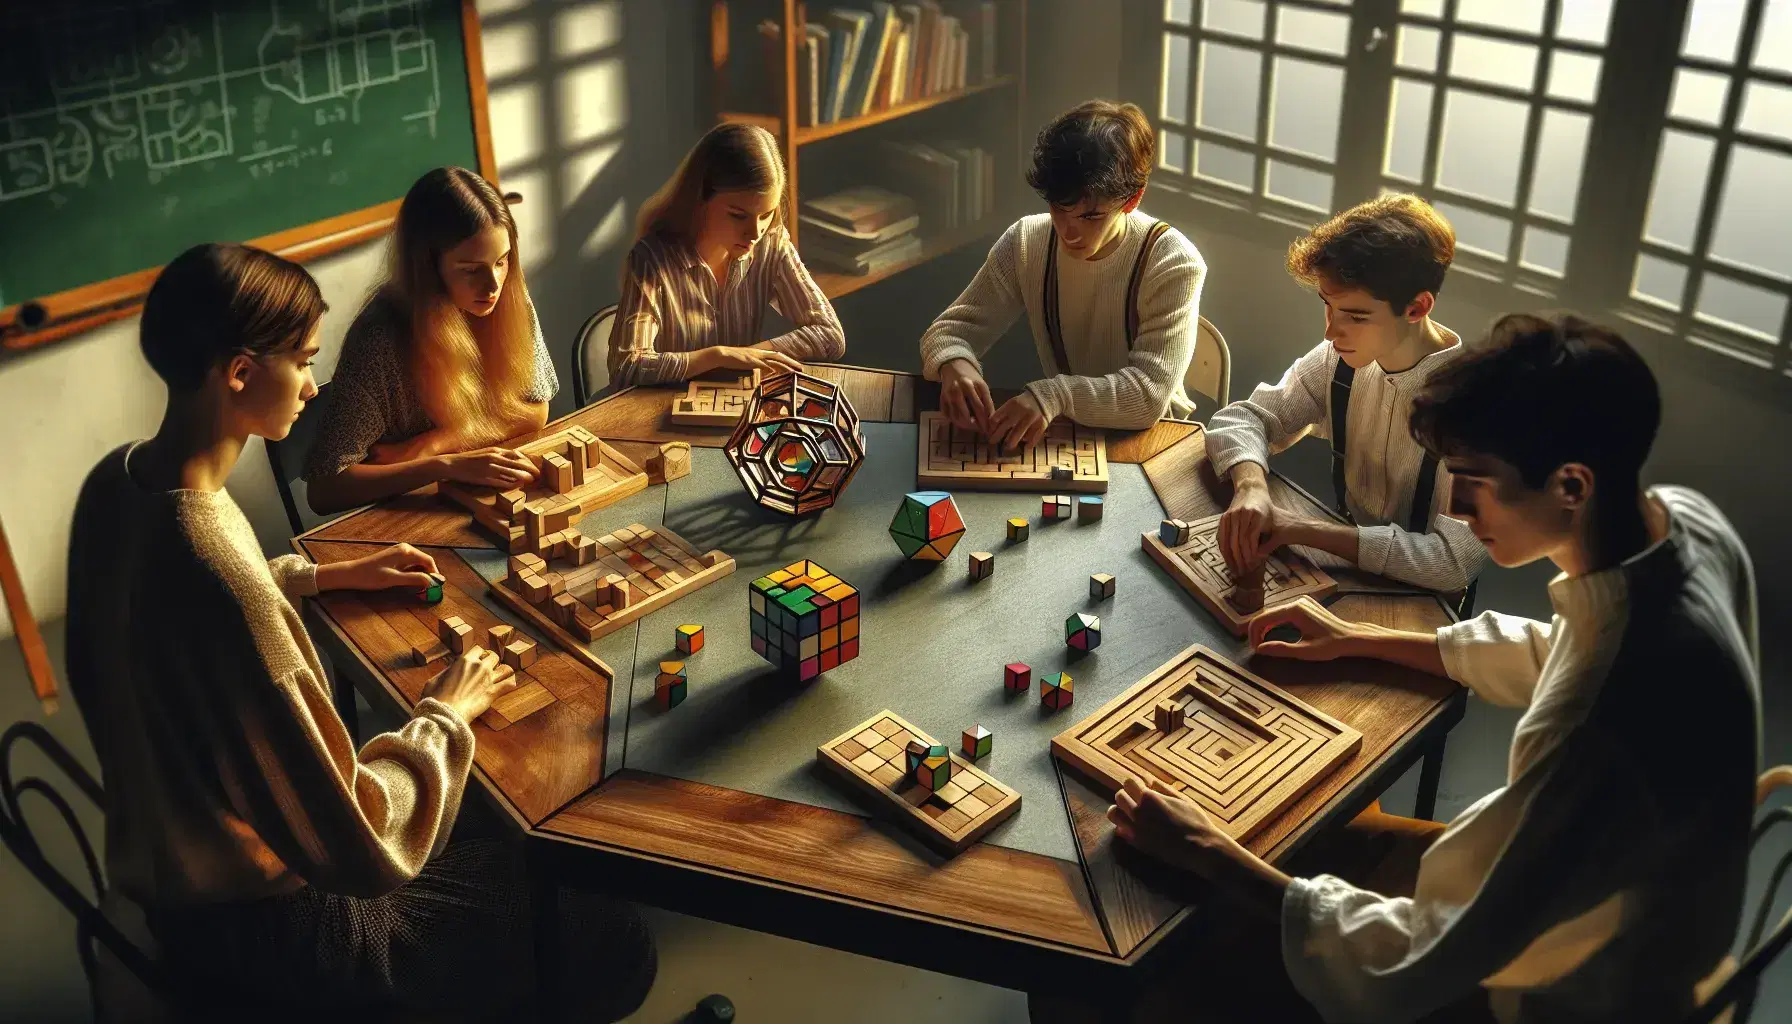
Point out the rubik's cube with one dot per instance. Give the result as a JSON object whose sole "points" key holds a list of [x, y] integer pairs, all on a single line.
{"points": [[1083, 631], [927, 526], [1055, 506], [804, 619], [797, 445]]}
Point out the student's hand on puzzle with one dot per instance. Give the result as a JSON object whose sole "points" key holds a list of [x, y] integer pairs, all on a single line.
{"points": [[471, 682], [964, 396], [731, 357], [503, 468], [1323, 636], [399, 566], [1247, 528], [1168, 826], [1018, 422]]}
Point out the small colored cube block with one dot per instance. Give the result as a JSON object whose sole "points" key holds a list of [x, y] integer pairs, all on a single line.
{"points": [[804, 619], [454, 633], [977, 741], [1082, 631], [688, 639], [1062, 473], [982, 564], [519, 654], [432, 594], [1168, 715], [934, 771], [669, 687], [1055, 506], [1057, 691], [1173, 532], [913, 756], [1018, 530], [1017, 676], [1088, 509], [1101, 586]]}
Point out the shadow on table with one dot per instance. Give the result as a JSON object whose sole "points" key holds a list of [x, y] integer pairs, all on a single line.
{"points": [[737, 524]]}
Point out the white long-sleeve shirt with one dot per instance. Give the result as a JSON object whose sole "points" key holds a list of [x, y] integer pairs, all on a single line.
{"points": [[1106, 386], [1381, 460], [1607, 876]]}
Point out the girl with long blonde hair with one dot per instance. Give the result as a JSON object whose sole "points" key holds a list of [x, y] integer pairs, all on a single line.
{"points": [[710, 253], [444, 361]]}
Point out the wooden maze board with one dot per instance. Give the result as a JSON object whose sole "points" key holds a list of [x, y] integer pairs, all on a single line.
{"points": [[1201, 569], [606, 477], [950, 458], [871, 756], [1244, 750], [608, 582], [714, 403]]}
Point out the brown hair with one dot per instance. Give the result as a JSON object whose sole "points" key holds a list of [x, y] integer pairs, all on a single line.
{"points": [[217, 300], [471, 372], [728, 158], [1393, 247], [1095, 150]]}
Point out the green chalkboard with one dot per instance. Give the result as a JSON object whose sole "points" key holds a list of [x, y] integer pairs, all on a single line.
{"points": [[130, 131]]}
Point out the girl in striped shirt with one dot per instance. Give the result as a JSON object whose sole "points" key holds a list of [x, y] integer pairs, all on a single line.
{"points": [[710, 252]]}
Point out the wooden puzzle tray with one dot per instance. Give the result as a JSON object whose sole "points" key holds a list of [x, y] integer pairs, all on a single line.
{"points": [[1230, 741], [1200, 568], [576, 473], [1069, 458], [870, 755], [714, 403]]}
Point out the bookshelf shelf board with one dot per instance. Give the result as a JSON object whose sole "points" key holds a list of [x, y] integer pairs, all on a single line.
{"points": [[815, 133], [836, 285]]}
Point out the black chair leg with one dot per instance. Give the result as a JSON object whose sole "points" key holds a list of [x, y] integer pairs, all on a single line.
{"points": [[1431, 771], [544, 906]]}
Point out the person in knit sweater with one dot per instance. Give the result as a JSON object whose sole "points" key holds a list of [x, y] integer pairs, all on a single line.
{"points": [[1606, 877], [1377, 268], [1070, 272], [271, 859]]}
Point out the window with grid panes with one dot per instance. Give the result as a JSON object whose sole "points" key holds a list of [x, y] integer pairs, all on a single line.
{"points": [[1715, 261], [1488, 119], [1249, 101]]}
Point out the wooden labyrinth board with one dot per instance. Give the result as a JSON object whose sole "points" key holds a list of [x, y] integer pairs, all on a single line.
{"points": [[594, 475], [582, 589], [714, 403], [1201, 569], [950, 459], [871, 754], [1240, 747]]}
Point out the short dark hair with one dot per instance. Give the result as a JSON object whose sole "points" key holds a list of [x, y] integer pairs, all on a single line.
{"points": [[1394, 247], [1539, 393], [217, 300], [1097, 150]]}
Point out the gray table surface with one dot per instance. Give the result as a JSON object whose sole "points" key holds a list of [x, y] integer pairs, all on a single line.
{"points": [[932, 643]]}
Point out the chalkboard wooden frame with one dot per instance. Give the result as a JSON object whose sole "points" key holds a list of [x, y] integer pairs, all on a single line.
{"points": [[67, 313]]}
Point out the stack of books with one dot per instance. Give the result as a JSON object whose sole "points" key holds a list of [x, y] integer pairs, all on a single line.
{"points": [[860, 230], [857, 61], [953, 184]]}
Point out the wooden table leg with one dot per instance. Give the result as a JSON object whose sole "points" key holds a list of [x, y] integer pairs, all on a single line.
{"points": [[1431, 769], [343, 692], [544, 906]]}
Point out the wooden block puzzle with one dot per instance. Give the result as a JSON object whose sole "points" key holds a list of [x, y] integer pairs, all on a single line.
{"points": [[688, 639], [1088, 509], [950, 817], [1018, 529], [671, 462], [424, 653], [1231, 741], [714, 403], [1057, 691], [576, 473], [519, 654], [454, 633], [498, 637], [804, 619], [636, 569], [977, 742], [954, 458], [1055, 506], [1101, 586], [982, 564], [1082, 631], [1173, 532], [1199, 566], [1017, 676]]}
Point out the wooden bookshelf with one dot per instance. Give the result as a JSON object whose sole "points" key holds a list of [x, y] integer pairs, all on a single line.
{"points": [[793, 136]]}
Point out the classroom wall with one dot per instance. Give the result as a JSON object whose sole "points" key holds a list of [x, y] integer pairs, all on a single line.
{"points": [[592, 103]]}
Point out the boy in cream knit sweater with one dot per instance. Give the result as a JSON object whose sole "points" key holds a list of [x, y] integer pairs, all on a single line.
{"points": [[1111, 295]]}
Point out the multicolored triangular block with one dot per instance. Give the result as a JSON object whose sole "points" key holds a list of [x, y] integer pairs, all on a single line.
{"points": [[804, 619], [927, 526], [1057, 691], [688, 639], [1083, 631]]}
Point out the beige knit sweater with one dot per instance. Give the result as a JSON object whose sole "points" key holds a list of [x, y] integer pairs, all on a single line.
{"points": [[228, 774]]}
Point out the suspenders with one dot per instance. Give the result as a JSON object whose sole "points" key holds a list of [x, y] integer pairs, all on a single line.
{"points": [[1419, 520], [1049, 300]]}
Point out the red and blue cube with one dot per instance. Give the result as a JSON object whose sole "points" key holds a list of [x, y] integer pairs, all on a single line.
{"points": [[804, 619]]}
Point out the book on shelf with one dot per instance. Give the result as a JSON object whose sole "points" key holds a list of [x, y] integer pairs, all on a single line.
{"points": [[953, 184], [848, 240], [861, 208], [902, 250]]}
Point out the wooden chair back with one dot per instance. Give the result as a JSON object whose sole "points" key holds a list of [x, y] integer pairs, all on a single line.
{"points": [[287, 460], [591, 356], [1210, 371]]}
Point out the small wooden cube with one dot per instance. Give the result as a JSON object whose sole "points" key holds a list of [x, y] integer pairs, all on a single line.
{"points": [[1088, 508], [497, 636], [511, 502], [423, 654], [519, 654], [1017, 676], [535, 589], [565, 609], [454, 633], [671, 462], [1101, 586], [1057, 691], [1173, 532], [1018, 530], [977, 741], [913, 756], [1168, 715], [557, 471], [934, 771], [583, 551], [982, 564], [688, 639]]}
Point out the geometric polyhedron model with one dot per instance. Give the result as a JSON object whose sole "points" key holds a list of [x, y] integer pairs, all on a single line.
{"points": [[927, 526], [804, 619], [797, 445], [1082, 631]]}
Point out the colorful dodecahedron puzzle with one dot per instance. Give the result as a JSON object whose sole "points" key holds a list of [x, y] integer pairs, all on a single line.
{"points": [[982, 564], [669, 687], [1017, 676], [804, 619], [432, 594], [1055, 506], [1083, 631], [688, 639], [935, 770], [1088, 509], [927, 526], [977, 741], [1101, 586], [797, 445], [1173, 532], [1018, 530], [454, 633], [1057, 691]]}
